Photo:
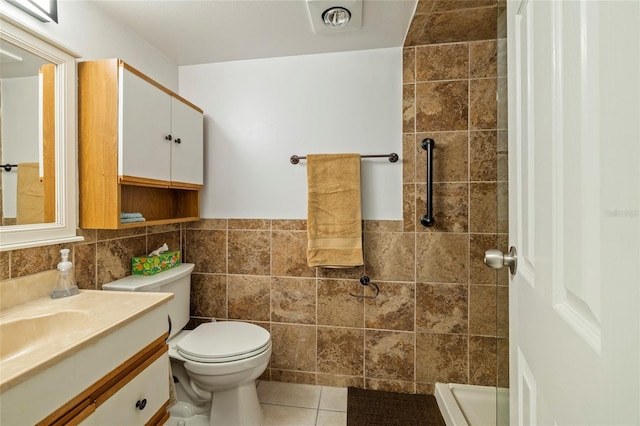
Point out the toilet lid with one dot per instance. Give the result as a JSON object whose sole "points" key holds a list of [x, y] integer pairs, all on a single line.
{"points": [[224, 342]]}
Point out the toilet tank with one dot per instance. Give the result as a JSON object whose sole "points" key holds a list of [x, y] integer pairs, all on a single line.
{"points": [[175, 280]]}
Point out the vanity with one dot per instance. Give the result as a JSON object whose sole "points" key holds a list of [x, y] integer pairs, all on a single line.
{"points": [[95, 358]]}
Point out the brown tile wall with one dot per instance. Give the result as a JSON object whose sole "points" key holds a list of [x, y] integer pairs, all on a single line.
{"points": [[441, 315], [103, 256]]}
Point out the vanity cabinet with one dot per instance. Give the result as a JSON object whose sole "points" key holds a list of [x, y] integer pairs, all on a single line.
{"points": [[140, 148], [107, 364], [141, 401], [135, 393]]}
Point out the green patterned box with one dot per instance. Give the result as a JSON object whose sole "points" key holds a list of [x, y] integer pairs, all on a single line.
{"points": [[151, 265]]}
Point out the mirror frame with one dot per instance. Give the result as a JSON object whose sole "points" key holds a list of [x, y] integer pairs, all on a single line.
{"points": [[64, 228]]}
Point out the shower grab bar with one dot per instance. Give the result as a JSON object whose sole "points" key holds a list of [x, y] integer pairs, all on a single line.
{"points": [[365, 281], [393, 157], [427, 219]]}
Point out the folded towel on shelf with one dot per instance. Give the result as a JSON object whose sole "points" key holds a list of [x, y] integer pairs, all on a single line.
{"points": [[30, 194], [132, 219], [334, 217], [125, 215]]}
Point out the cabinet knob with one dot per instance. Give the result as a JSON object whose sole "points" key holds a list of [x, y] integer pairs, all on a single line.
{"points": [[177, 140], [168, 137], [141, 404]]}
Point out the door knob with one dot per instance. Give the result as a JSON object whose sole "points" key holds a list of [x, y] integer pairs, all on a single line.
{"points": [[496, 259]]}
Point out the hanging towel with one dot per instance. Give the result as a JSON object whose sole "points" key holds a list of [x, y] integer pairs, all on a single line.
{"points": [[30, 194], [334, 218]]}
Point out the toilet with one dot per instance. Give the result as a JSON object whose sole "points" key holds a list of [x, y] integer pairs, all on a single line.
{"points": [[217, 363]]}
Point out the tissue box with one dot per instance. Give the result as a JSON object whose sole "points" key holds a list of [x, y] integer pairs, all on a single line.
{"points": [[151, 265]]}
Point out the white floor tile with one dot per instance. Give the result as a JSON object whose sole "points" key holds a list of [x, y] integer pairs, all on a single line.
{"points": [[331, 418], [291, 394], [280, 415], [334, 399]]}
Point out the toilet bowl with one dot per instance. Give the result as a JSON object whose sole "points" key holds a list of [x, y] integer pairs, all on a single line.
{"points": [[221, 359]]}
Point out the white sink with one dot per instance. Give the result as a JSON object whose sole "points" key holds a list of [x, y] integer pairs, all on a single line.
{"points": [[20, 336], [37, 334]]}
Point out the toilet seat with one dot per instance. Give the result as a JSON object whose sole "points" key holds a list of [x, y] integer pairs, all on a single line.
{"points": [[220, 342]]}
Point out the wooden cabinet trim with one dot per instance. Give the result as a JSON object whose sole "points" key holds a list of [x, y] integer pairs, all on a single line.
{"points": [[187, 186], [133, 367], [138, 181], [76, 415], [161, 416], [158, 85], [98, 147], [155, 183]]}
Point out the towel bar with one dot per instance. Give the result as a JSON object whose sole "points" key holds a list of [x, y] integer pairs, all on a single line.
{"points": [[393, 157]]}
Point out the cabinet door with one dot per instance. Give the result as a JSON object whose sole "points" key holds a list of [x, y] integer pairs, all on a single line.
{"points": [[187, 156], [144, 122], [138, 401]]}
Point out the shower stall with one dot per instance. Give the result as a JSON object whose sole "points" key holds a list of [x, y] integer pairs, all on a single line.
{"points": [[488, 404]]}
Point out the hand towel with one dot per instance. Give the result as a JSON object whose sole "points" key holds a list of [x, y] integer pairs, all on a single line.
{"points": [[132, 219], [30, 194], [334, 217], [126, 215]]}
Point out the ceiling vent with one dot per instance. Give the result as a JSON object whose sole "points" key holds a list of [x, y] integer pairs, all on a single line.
{"points": [[335, 16]]}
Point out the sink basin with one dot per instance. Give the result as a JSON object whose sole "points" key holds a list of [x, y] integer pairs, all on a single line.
{"points": [[28, 334], [42, 332]]}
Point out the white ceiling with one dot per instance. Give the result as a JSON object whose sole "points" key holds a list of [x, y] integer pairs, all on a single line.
{"points": [[205, 31]]}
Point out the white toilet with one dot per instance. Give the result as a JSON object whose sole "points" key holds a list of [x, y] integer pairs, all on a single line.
{"points": [[222, 359]]}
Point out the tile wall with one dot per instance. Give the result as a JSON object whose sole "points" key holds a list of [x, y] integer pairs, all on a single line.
{"points": [[441, 315]]}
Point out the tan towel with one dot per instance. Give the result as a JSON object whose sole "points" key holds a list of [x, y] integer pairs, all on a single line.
{"points": [[30, 194], [334, 218]]}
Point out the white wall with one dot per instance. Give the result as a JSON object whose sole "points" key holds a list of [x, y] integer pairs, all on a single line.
{"points": [[91, 33], [260, 112], [20, 100]]}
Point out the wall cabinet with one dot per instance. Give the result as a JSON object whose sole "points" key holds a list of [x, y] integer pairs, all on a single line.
{"points": [[140, 148]]}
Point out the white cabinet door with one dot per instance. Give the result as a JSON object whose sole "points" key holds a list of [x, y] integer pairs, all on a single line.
{"points": [[138, 400], [144, 122], [187, 156]]}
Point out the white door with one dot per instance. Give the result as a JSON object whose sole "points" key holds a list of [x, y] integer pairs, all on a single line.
{"points": [[187, 155], [574, 139], [144, 125]]}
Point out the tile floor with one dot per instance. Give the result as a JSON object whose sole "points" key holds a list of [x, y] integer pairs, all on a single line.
{"points": [[289, 404]]}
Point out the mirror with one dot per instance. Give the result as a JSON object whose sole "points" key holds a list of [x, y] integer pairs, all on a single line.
{"points": [[38, 139], [27, 137]]}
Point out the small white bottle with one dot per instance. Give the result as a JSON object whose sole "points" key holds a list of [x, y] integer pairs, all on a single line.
{"points": [[66, 281]]}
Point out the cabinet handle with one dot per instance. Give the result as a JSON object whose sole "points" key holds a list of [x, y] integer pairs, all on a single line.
{"points": [[141, 404], [178, 140], [168, 137]]}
